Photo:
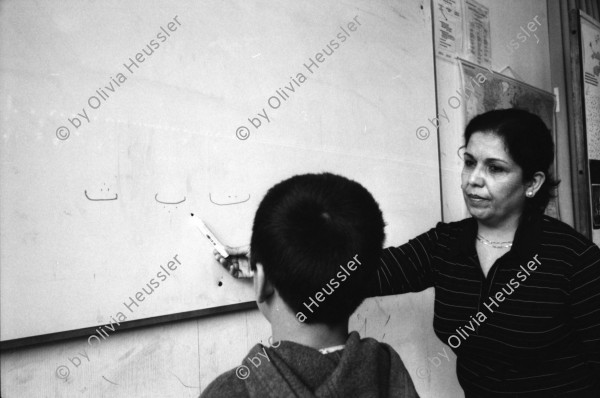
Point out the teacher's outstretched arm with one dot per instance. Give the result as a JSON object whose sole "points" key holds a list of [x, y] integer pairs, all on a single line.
{"points": [[407, 268], [404, 269]]}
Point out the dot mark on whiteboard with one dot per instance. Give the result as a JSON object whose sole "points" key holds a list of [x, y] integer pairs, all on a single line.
{"points": [[168, 203]]}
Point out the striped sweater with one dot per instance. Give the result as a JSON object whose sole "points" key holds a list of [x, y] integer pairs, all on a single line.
{"points": [[531, 328]]}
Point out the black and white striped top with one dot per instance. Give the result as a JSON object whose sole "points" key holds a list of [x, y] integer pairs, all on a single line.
{"points": [[531, 328]]}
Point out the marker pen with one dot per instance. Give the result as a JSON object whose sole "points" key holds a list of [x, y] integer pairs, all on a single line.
{"points": [[210, 236]]}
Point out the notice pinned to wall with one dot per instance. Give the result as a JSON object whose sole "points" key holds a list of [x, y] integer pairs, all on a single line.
{"points": [[478, 45], [448, 29], [590, 63]]}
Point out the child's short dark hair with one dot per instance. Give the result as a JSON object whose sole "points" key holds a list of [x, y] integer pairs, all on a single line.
{"points": [[305, 228]]}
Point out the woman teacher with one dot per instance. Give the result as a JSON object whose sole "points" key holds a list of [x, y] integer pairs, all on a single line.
{"points": [[517, 293]]}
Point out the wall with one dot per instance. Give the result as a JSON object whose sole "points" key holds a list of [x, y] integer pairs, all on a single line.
{"points": [[558, 73]]}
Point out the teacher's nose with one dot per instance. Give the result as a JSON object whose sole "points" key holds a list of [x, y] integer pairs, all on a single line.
{"points": [[475, 178]]}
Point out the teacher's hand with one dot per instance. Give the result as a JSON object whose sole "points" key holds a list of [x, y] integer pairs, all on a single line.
{"points": [[238, 262]]}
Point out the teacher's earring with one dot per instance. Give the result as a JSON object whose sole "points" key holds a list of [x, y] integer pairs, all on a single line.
{"points": [[529, 194]]}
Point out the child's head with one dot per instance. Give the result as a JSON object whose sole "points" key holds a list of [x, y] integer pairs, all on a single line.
{"points": [[305, 228]]}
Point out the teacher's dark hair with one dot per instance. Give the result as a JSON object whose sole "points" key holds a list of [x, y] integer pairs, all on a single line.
{"points": [[529, 143], [305, 229]]}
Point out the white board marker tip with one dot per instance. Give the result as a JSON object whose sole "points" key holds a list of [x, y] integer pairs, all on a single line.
{"points": [[210, 236]]}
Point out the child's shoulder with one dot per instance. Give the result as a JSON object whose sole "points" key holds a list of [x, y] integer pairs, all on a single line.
{"points": [[225, 386]]}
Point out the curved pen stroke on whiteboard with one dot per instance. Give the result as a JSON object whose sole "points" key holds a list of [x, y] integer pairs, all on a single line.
{"points": [[86, 195], [168, 203], [112, 382], [228, 204]]}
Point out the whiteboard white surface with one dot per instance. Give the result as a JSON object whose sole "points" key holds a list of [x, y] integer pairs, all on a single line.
{"points": [[168, 132]]}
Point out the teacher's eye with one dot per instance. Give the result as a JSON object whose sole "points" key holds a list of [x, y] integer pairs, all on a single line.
{"points": [[469, 163], [496, 169]]}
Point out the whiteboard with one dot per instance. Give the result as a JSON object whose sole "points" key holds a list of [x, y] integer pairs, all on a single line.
{"points": [[93, 210]]}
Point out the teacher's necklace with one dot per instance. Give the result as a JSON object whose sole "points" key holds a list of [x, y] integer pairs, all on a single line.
{"points": [[495, 245]]}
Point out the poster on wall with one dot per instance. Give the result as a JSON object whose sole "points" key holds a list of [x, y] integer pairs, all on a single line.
{"points": [[596, 205], [462, 29], [478, 42], [595, 192], [590, 63], [484, 90], [448, 28], [590, 70]]}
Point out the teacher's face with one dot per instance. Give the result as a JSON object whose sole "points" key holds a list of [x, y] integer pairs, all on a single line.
{"points": [[492, 183]]}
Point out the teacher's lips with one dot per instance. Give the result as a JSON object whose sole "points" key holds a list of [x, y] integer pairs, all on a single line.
{"points": [[476, 199]]}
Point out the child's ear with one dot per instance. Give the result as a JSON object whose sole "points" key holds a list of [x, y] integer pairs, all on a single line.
{"points": [[263, 289]]}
